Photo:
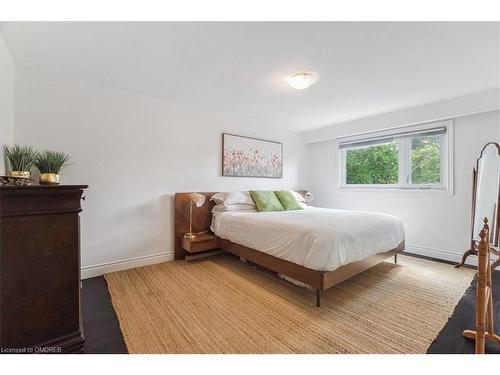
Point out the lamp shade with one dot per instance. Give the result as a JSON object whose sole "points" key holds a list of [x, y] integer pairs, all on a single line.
{"points": [[197, 199], [309, 197], [301, 80]]}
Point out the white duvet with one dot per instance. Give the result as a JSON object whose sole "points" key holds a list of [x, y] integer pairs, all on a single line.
{"points": [[317, 238]]}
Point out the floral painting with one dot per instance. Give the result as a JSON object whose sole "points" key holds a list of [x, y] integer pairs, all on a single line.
{"points": [[250, 157]]}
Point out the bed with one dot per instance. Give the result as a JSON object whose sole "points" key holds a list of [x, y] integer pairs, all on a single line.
{"points": [[315, 246]]}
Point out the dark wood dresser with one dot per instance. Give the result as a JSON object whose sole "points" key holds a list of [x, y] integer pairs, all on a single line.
{"points": [[40, 269]]}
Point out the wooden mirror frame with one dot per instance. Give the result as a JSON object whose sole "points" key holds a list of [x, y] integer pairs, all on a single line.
{"points": [[473, 242], [484, 302]]}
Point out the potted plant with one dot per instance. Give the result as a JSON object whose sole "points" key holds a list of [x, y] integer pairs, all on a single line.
{"points": [[21, 160], [50, 163]]}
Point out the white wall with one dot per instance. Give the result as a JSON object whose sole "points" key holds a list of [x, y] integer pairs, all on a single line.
{"points": [[134, 152], [437, 223], [7, 94], [442, 110]]}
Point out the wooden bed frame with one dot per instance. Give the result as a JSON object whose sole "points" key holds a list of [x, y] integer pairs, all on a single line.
{"points": [[319, 280]]}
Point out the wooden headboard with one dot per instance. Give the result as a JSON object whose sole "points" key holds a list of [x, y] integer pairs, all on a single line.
{"points": [[202, 218]]}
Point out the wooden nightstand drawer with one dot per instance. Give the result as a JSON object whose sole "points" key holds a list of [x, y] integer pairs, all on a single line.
{"points": [[203, 242]]}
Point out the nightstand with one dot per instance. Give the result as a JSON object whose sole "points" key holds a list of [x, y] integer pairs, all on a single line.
{"points": [[202, 245]]}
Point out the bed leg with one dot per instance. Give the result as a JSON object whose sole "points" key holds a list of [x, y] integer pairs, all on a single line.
{"points": [[318, 297], [396, 258]]}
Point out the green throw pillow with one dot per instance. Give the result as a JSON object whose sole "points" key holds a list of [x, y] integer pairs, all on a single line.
{"points": [[266, 200], [288, 201]]}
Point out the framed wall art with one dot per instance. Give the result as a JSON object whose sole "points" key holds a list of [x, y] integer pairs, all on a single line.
{"points": [[251, 157]]}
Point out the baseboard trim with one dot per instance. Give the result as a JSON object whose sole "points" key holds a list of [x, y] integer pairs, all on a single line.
{"points": [[442, 254], [120, 265]]}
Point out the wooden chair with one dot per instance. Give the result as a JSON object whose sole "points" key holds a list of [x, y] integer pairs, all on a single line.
{"points": [[484, 303]]}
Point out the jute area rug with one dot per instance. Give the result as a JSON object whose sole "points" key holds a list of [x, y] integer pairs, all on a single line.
{"points": [[222, 305]]}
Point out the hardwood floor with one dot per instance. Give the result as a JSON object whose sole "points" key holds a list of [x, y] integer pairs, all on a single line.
{"points": [[103, 335], [450, 340], [100, 324]]}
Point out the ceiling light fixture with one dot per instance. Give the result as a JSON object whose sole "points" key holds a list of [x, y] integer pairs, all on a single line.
{"points": [[301, 80]]}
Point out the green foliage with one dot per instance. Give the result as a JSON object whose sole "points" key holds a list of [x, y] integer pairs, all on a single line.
{"points": [[372, 165], [379, 164], [21, 158], [426, 161], [51, 161]]}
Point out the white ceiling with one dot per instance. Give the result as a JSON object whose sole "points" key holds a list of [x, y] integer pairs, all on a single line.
{"points": [[364, 68]]}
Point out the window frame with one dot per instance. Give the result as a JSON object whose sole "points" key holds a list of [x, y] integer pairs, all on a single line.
{"points": [[404, 159]]}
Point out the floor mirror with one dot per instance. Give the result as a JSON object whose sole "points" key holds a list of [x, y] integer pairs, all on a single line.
{"points": [[485, 198]]}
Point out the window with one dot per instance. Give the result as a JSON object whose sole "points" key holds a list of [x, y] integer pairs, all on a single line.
{"points": [[425, 160], [412, 157], [372, 165]]}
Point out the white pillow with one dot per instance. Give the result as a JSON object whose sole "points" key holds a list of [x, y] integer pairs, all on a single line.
{"points": [[234, 207], [233, 197]]}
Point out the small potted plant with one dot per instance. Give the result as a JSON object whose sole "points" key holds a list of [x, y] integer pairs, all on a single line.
{"points": [[50, 163], [21, 160]]}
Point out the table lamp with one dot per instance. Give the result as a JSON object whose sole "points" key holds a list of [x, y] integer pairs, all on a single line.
{"points": [[308, 197], [198, 200]]}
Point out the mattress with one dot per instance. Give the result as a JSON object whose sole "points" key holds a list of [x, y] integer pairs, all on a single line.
{"points": [[317, 238]]}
